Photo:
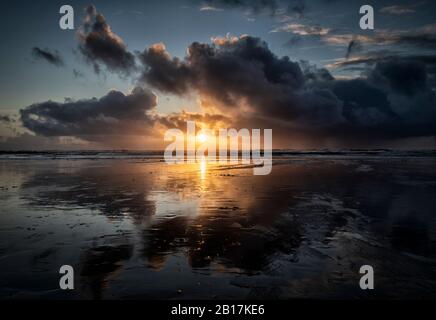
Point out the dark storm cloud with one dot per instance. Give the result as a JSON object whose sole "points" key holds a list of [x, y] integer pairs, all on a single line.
{"points": [[405, 77], [359, 95], [52, 57], [164, 72], [100, 46], [233, 72], [242, 82], [112, 114], [425, 63], [395, 100], [242, 78]]}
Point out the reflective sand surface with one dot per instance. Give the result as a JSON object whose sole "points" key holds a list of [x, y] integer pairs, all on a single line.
{"points": [[143, 229]]}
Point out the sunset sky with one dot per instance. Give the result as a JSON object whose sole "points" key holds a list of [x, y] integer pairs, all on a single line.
{"points": [[131, 69]]}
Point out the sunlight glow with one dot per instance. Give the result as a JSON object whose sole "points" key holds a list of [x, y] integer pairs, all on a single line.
{"points": [[201, 137]]}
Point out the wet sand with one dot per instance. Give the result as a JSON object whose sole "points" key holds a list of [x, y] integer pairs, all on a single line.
{"points": [[142, 229]]}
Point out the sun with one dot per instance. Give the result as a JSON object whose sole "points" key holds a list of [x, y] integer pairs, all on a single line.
{"points": [[201, 137]]}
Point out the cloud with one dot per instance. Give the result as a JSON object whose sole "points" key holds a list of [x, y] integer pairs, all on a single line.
{"points": [[302, 30], [164, 72], [363, 103], [404, 77], [253, 6], [423, 37], [209, 8], [52, 57], [371, 57], [100, 46], [401, 9], [178, 120], [239, 75], [240, 82], [243, 80], [93, 119], [405, 99]]}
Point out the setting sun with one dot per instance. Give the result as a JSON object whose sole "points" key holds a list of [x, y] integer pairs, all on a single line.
{"points": [[201, 137]]}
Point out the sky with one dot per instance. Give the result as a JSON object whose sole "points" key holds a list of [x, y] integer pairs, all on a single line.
{"points": [[132, 69]]}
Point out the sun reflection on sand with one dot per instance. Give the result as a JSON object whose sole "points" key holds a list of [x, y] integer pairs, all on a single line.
{"points": [[203, 174], [203, 167]]}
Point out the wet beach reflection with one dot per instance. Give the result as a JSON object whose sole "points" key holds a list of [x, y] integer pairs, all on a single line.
{"points": [[135, 229]]}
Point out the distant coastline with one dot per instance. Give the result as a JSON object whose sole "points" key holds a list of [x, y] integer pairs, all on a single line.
{"points": [[157, 154]]}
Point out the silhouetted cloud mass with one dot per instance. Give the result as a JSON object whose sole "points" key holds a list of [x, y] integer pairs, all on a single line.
{"points": [[113, 114], [241, 76], [100, 46]]}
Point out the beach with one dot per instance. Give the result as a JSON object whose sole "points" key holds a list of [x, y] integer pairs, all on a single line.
{"points": [[134, 227]]}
